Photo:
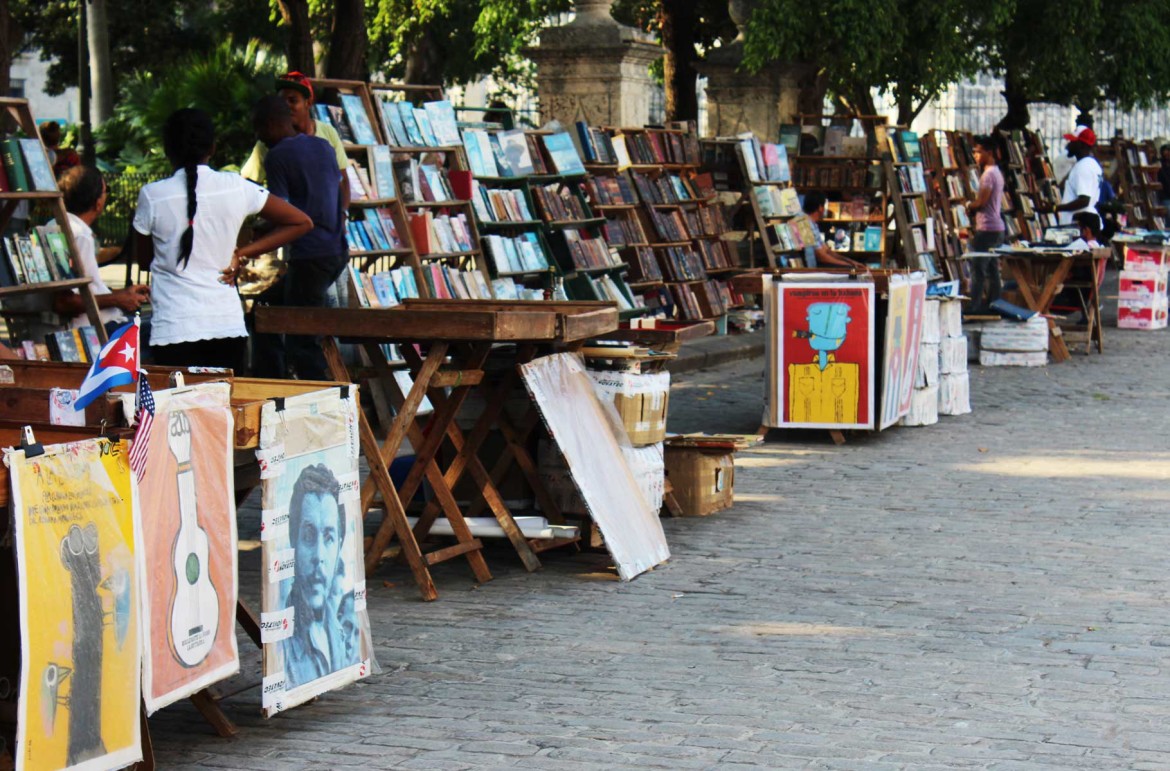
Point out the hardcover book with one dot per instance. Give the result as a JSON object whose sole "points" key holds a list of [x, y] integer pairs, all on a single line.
{"points": [[359, 121], [39, 172], [563, 153]]}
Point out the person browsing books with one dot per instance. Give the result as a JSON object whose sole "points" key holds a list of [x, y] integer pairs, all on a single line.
{"points": [[820, 254], [187, 226], [1082, 187], [984, 210], [297, 89], [84, 191], [302, 170]]}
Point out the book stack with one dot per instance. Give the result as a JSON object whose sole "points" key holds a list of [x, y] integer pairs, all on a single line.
{"points": [[954, 390], [442, 234], [650, 147], [384, 289], [502, 205], [495, 154], [610, 191], [1142, 300], [39, 257], [421, 182], [373, 230], [664, 188], [625, 231], [924, 398], [432, 125], [517, 255], [644, 266], [78, 345], [588, 252], [597, 145], [559, 203], [1014, 343], [681, 264]]}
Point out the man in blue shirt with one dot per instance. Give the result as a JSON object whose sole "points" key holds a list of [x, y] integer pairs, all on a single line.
{"points": [[301, 169]]}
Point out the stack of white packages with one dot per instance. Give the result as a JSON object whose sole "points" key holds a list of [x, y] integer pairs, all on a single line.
{"points": [[954, 389], [1141, 297], [1015, 344], [924, 399]]}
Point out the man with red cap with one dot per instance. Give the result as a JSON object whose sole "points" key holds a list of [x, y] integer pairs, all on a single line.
{"points": [[1082, 187]]}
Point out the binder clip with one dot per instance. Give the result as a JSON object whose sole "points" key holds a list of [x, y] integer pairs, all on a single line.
{"points": [[28, 442]]}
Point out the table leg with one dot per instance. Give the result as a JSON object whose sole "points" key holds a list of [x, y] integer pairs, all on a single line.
{"points": [[1022, 273]]}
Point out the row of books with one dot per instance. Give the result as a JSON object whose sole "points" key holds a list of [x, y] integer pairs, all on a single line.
{"points": [[904, 146], [375, 183], [517, 254], [586, 252], [78, 345], [796, 233], [507, 288], [624, 230], [599, 147], [384, 289], [681, 264], [421, 181], [25, 166], [517, 154], [715, 254], [911, 179], [445, 233], [777, 201], [373, 230], [664, 188], [763, 161], [705, 221], [643, 264], [847, 174], [610, 191], [559, 203], [868, 239], [606, 287], [449, 283], [650, 147], [916, 210], [669, 225], [350, 119], [431, 125], [505, 205], [38, 257], [924, 237], [688, 304], [857, 208]]}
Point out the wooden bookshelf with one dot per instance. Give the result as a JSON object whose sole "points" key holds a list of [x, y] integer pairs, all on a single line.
{"points": [[944, 159], [1138, 168], [18, 118], [909, 196], [1020, 207]]}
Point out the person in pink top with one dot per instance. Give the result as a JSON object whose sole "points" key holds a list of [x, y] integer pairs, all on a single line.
{"points": [[989, 228]]}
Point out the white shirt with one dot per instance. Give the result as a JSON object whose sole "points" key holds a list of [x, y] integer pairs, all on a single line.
{"points": [[191, 304], [87, 264], [1084, 179]]}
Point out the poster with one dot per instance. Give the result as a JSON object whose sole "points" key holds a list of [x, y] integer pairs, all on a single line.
{"points": [[74, 521], [900, 350], [590, 435], [822, 338], [313, 622], [188, 526]]}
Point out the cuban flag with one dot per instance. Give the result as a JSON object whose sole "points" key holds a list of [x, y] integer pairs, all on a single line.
{"points": [[116, 364]]}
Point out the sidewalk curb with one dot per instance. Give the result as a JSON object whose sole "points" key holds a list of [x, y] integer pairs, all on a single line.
{"points": [[713, 351]]}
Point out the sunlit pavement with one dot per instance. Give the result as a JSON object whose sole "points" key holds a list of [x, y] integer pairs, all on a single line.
{"points": [[989, 592]]}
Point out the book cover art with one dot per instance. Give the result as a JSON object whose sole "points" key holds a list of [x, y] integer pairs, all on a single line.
{"points": [[563, 153], [443, 123], [413, 135], [39, 171], [383, 167], [392, 122], [359, 121]]}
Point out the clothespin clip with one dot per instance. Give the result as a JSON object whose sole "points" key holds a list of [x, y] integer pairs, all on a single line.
{"points": [[28, 442], [177, 380]]}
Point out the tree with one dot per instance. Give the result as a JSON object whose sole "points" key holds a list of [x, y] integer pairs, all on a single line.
{"points": [[687, 29], [348, 42], [10, 35], [299, 46], [101, 75]]}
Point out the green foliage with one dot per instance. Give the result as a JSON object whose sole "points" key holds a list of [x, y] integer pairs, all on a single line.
{"points": [[225, 82], [142, 34]]}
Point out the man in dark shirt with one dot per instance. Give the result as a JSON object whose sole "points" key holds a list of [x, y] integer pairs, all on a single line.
{"points": [[302, 170]]}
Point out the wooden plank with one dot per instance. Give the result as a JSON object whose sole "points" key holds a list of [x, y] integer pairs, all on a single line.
{"points": [[409, 326], [32, 404], [61, 374], [578, 320], [450, 552]]}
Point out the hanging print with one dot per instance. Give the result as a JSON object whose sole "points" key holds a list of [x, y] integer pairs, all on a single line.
{"points": [[907, 298], [74, 519]]}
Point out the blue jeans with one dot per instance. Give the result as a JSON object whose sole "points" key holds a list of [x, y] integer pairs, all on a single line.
{"points": [[985, 274], [305, 285]]}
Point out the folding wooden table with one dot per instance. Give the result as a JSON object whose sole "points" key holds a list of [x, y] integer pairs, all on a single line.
{"points": [[1040, 275], [468, 332]]}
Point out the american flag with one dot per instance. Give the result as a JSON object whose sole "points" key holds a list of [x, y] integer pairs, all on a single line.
{"points": [[144, 414]]}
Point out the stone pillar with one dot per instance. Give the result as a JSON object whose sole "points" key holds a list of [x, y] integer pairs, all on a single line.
{"points": [[738, 101], [594, 69]]}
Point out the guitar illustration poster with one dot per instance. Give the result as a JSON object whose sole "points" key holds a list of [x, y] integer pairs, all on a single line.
{"points": [[824, 372], [189, 545], [903, 334], [313, 623], [78, 581]]}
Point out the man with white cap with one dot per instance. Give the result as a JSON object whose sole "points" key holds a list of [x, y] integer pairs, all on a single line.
{"points": [[1082, 187]]}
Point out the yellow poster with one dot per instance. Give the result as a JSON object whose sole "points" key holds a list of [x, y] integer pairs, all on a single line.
{"points": [[80, 652]]}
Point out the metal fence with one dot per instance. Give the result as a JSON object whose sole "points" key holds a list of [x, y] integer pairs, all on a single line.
{"points": [[113, 225]]}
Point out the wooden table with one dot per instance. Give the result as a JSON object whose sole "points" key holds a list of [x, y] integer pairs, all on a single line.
{"points": [[1040, 275], [469, 333]]}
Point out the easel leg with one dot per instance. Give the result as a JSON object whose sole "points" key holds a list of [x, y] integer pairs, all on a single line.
{"points": [[247, 619], [147, 762], [837, 437], [210, 710]]}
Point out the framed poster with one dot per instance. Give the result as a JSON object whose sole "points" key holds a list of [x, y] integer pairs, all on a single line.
{"points": [[313, 623], [822, 338], [189, 545], [74, 515], [901, 343]]}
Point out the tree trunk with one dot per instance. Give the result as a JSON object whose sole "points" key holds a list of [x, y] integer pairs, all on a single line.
{"points": [[422, 60], [677, 26], [812, 86], [9, 45], [348, 42], [1017, 104], [299, 51], [101, 75]]}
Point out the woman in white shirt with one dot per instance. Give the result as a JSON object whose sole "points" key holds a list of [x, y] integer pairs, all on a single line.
{"points": [[187, 227]]}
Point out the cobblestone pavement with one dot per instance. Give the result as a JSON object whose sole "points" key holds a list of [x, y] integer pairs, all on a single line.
{"points": [[989, 593]]}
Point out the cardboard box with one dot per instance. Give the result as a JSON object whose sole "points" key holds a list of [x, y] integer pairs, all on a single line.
{"points": [[703, 480], [1141, 287], [1132, 315], [641, 401], [1146, 259]]}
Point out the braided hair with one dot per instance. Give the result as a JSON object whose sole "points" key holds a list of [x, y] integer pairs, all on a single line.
{"points": [[188, 139]]}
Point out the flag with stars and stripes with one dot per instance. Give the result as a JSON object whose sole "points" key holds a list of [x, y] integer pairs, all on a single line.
{"points": [[144, 414]]}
